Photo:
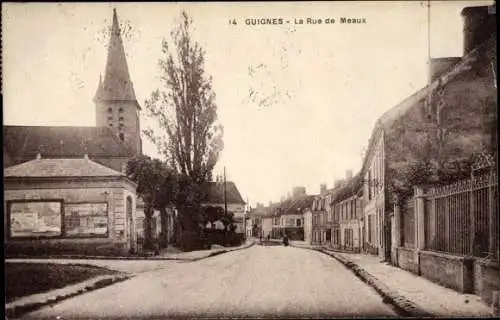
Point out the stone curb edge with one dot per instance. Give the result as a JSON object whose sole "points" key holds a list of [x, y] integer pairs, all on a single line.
{"points": [[405, 306], [62, 257], [216, 253], [17, 311]]}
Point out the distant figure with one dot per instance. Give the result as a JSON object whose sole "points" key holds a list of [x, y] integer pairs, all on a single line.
{"points": [[285, 240], [260, 238], [268, 237]]}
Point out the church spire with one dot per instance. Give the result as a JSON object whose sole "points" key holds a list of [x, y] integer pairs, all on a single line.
{"points": [[117, 85]]}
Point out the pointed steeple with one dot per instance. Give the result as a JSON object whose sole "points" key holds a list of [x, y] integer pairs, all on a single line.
{"points": [[117, 85]]}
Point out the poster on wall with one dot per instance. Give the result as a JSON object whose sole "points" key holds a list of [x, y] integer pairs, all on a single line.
{"points": [[86, 219], [35, 219]]}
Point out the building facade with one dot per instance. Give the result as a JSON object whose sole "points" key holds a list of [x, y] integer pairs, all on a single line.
{"points": [[68, 206]]}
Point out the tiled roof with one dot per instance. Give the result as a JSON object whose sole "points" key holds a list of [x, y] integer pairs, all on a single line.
{"points": [[215, 193], [298, 205], [39, 168], [349, 189], [60, 142]]}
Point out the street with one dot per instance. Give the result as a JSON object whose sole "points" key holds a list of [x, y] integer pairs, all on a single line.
{"points": [[261, 281]]}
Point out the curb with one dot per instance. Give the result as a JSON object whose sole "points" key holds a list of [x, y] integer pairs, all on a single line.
{"points": [[62, 257], [216, 253], [404, 306], [16, 309]]}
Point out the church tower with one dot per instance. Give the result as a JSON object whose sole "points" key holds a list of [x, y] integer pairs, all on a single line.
{"points": [[115, 101]]}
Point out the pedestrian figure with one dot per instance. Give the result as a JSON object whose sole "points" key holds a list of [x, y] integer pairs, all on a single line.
{"points": [[285, 240]]}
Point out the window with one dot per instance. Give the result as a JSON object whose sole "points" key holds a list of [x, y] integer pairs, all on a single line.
{"points": [[120, 110], [86, 219], [122, 136], [370, 225], [120, 119], [110, 110], [120, 126], [35, 218], [299, 223], [369, 184], [110, 118]]}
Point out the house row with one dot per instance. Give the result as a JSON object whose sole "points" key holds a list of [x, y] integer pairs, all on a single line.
{"points": [[285, 217], [389, 209]]}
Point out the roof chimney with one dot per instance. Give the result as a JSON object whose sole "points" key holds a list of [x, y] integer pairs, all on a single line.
{"points": [[479, 25], [38, 156], [298, 192], [86, 156], [348, 174], [322, 189]]}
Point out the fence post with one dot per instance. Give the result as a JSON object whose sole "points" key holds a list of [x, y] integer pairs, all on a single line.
{"points": [[471, 217], [492, 221], [397, 222], [419, 218]]}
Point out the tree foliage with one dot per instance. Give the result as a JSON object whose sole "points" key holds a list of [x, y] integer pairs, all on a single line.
{"points": [[156, 185], [184, 108]]}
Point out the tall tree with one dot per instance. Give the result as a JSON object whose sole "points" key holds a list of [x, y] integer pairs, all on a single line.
{"points": [[185, 111]]}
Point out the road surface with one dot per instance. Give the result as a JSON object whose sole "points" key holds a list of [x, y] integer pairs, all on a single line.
{"points": [[273, 281]]}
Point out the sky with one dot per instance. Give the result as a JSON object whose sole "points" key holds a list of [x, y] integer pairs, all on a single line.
{"points": [[298, 102]]}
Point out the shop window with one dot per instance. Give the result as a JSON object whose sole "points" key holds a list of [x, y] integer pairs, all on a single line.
{"points": [[86, 219], [40, 218]]}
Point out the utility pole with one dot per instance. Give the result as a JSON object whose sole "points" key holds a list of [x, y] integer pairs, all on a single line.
{"points": [[225, 195]]}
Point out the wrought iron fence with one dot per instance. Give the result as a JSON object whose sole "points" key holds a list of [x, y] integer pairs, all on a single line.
{"points": [[462, 218]]}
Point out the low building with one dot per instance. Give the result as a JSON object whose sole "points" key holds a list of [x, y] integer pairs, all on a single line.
{"points": [[68, 206], [226, 194]]}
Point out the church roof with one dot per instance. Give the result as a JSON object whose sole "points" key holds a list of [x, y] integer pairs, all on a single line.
{"points": [[117, 85], [44, 168], [60, 142]]}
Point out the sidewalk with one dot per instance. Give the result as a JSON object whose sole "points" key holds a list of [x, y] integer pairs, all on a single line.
{"points": [[403, 287], [199, 254]]}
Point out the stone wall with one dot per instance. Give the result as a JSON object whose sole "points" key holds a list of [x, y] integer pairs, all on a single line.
{"points": [[408, 259], [486, 279], [450, 271]]}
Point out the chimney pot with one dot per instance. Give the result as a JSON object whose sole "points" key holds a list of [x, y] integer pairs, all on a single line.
{"points": [[479, 25]]}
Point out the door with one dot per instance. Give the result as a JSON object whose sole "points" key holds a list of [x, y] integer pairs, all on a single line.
{"points": [[328, 235]]}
